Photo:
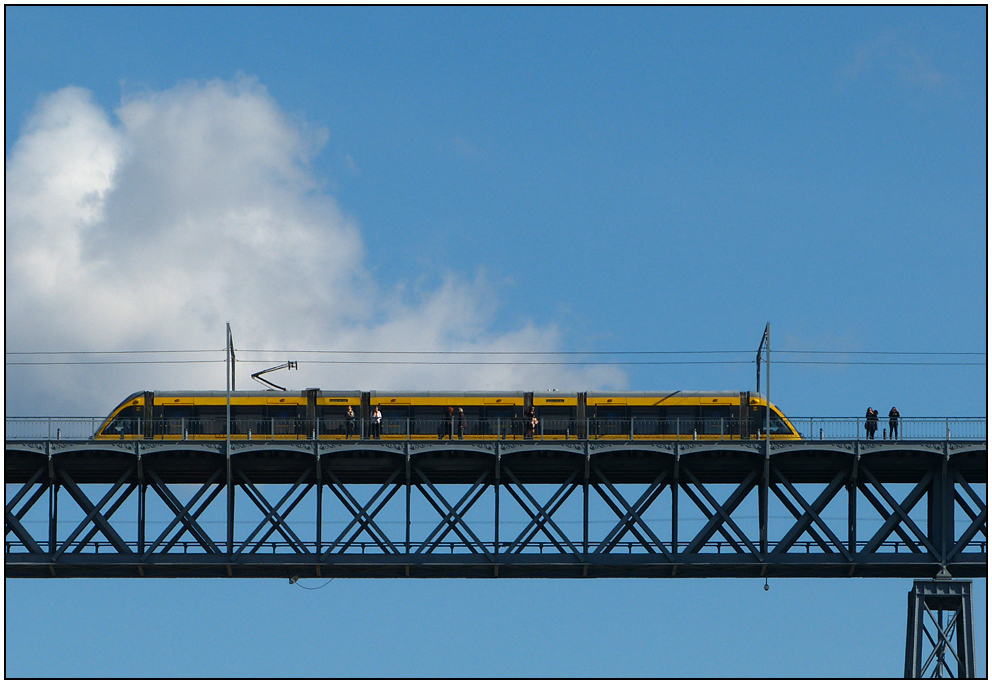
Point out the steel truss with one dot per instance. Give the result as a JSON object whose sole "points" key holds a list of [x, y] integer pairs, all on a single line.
{"points": [[496, 509], [944, 606]]}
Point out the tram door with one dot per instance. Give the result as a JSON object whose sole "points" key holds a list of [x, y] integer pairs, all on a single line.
{"points": [[312, 411], [148, 427], [743, 410], [365, 412]]}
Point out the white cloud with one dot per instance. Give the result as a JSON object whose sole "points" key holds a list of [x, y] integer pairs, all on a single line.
{"points": [[197, 205], [892, 54]]}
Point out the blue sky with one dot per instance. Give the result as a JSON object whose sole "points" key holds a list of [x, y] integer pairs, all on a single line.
{"points": [[493, 179]]}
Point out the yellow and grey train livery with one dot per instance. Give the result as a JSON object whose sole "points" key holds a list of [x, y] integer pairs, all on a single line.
{"points": [[324, 414]]}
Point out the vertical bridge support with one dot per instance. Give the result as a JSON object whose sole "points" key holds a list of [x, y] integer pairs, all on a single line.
{"points": [[939, 610]]}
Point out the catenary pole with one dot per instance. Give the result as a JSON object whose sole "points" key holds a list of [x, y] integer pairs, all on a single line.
{"points": [[227, 451], [768, 382]]}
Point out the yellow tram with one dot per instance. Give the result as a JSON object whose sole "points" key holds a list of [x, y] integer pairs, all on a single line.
{"points": [[323, 414]]}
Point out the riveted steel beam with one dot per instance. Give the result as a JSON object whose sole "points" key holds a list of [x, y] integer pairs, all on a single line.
{"points": [[453, 516], [93, 513], [361, 516], [812, 512], [630, 516], [540, 516], [721, 515], [273, 517], [906, 542]]}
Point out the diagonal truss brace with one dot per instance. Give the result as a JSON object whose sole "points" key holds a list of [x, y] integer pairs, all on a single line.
{"points": [[979, 519], [811, 515], [361, 515], [273, 517], [721, 514], [898, 516], [12, 521], [183, 516], [630, 516], [93, 513], [941, 644], [453, 516], [541, 516]]}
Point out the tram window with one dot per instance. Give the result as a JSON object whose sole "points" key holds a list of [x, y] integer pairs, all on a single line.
{"points": [[283, 412], [493, 417], [611, 412], [211, 412], [394, 419], [125, 422], [557, 420], [716, 420], [429, 412], [211, 420], [174, 412], [127, 412], [333, 419], [335, 412], [247, 418], [777, 425], [494, 413], [681, 420], [645, 421]]}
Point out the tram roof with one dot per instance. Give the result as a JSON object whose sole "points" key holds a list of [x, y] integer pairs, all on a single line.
{"points": [[441, 393]]}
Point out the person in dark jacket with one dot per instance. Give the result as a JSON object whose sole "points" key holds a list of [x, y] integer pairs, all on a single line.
{"points": [[461, 423], [894, 423], [446, 428], [530, 423], [349, 423], [871, 423]]}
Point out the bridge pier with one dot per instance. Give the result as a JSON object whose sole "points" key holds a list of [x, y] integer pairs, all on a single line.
{"points": [[940, 630]]}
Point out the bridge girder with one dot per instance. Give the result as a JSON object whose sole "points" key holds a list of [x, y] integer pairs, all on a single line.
{"points": [[496, 509]]}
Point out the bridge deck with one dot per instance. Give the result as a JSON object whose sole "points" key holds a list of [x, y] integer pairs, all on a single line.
{"points": [[579, 508]]}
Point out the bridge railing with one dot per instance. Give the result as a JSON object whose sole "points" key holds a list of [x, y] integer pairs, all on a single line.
{"points": [[52, 428], [547, 429], [192, 547], [905, 428]]}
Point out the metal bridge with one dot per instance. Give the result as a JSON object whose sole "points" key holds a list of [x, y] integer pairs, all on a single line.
{"points": [[285, 504]]}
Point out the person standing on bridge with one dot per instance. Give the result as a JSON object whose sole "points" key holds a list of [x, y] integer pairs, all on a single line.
{"points": [[461, 423], [349, 423], [894, 423], [871, 423], [446, 429], [530, 423], [376, 423]]}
